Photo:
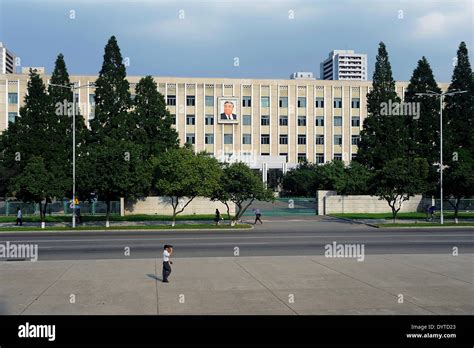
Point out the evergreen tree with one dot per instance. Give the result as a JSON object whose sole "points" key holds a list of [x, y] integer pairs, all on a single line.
{"points": [[384, 136], [62, 98], [34, 136], [458, 146], [111, 164], [151, 121], [425, 129], [112, 97]]}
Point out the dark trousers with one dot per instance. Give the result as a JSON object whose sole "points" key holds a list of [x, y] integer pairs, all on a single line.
{"points": [[257, 218], [19, 221], [166, 270]]}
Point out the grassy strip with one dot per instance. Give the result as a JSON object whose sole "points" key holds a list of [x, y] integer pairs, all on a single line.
{"points": [[115, 217], [409, 216], [135, 227], [427, 224]]}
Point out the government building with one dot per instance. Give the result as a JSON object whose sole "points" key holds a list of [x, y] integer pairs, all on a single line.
{"points": [[269, 124]]}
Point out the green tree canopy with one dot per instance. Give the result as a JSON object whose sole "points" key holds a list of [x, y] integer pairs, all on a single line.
{"points": [[242, 186], [182, 175]]}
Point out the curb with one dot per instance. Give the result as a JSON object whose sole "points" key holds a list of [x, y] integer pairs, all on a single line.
{"points": [[125, 230]]}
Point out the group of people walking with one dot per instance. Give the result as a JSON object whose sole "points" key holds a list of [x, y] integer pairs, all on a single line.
{"points": [[257, 212]]}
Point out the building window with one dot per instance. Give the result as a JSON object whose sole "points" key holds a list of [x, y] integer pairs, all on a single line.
{"points": [[190, 100], [301, 120], [246, 101], [12, 117], [247, 120], [265, 101], [284, 154], [171, 100], [319, 139], [265, 139], [337, 121], [209, 138], [319, 102], [246, 139], [173, 118], [91, 99], [209, 120], [319, 121], [76, 95], [209, 100], [190, 138], [283, 102], [301, 139], [283, 120], [338, 139], [355, 103], [228, 139], [301, 157], [337, 103], [319, 158], [283, 139], [355, 121], [355, 139], [190, 120], [265, 120], [12, 98], [354, 156], [338, 157], [301, 102]]}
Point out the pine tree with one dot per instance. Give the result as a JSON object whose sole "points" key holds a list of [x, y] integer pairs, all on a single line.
{"points": [[34, 136], [424, 130], [384, 136], [62, 98], [112, 96], [459, 132], [151, 121]]}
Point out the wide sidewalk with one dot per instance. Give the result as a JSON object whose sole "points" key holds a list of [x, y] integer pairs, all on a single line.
{"points": [[429, 284]]}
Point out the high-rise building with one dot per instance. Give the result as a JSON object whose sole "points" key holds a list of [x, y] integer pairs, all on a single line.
{"points": [[7, 60], [344, 65]]}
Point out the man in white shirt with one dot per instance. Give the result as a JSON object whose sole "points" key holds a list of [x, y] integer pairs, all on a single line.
{"points": [[168, 250]]}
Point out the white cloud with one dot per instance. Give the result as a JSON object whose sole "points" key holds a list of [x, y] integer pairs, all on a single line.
{"points": [[443, 24]]}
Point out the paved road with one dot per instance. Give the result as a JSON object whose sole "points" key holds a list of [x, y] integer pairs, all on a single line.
{"points": [[276, 237]]}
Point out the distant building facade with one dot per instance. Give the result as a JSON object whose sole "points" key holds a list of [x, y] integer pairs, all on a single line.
{"points": [[278, 123]]}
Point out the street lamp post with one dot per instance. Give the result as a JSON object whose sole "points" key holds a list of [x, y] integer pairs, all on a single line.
{"points": [[441, 101], [73, 88]]}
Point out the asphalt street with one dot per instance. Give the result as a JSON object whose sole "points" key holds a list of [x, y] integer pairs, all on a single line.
{"points": [[284, 236]]}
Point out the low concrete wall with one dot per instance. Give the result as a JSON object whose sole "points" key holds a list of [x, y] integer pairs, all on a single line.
{"points": [[331, 203], [162, 206]]}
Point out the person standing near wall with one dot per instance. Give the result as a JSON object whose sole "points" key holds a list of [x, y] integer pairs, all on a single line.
{"points": [[19, 217]]}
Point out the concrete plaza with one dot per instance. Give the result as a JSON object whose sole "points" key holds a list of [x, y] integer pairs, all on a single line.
{"points": [[429, 284]]}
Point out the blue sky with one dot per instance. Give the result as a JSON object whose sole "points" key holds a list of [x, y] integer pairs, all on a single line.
{"points": [[210, 34]]}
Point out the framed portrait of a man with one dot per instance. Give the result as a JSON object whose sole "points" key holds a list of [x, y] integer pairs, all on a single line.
{"points": [[228, 110]]}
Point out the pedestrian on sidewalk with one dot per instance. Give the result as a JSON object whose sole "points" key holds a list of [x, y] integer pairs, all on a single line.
{"points": [[217, 218], [19, 217], [168, 250], [258, 215]]}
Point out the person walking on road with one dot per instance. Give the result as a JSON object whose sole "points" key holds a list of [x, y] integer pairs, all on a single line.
{"points": [[168, 250], [19, 217], [217, 218], [258, 215]]}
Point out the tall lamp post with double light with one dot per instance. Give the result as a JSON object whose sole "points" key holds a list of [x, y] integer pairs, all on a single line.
{"points": [[73, 88], [441, 100]]}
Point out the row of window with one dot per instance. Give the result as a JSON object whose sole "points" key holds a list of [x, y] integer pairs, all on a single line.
{"points": [[265, 120], [265, 101], [265, 139], [246, 101]]}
